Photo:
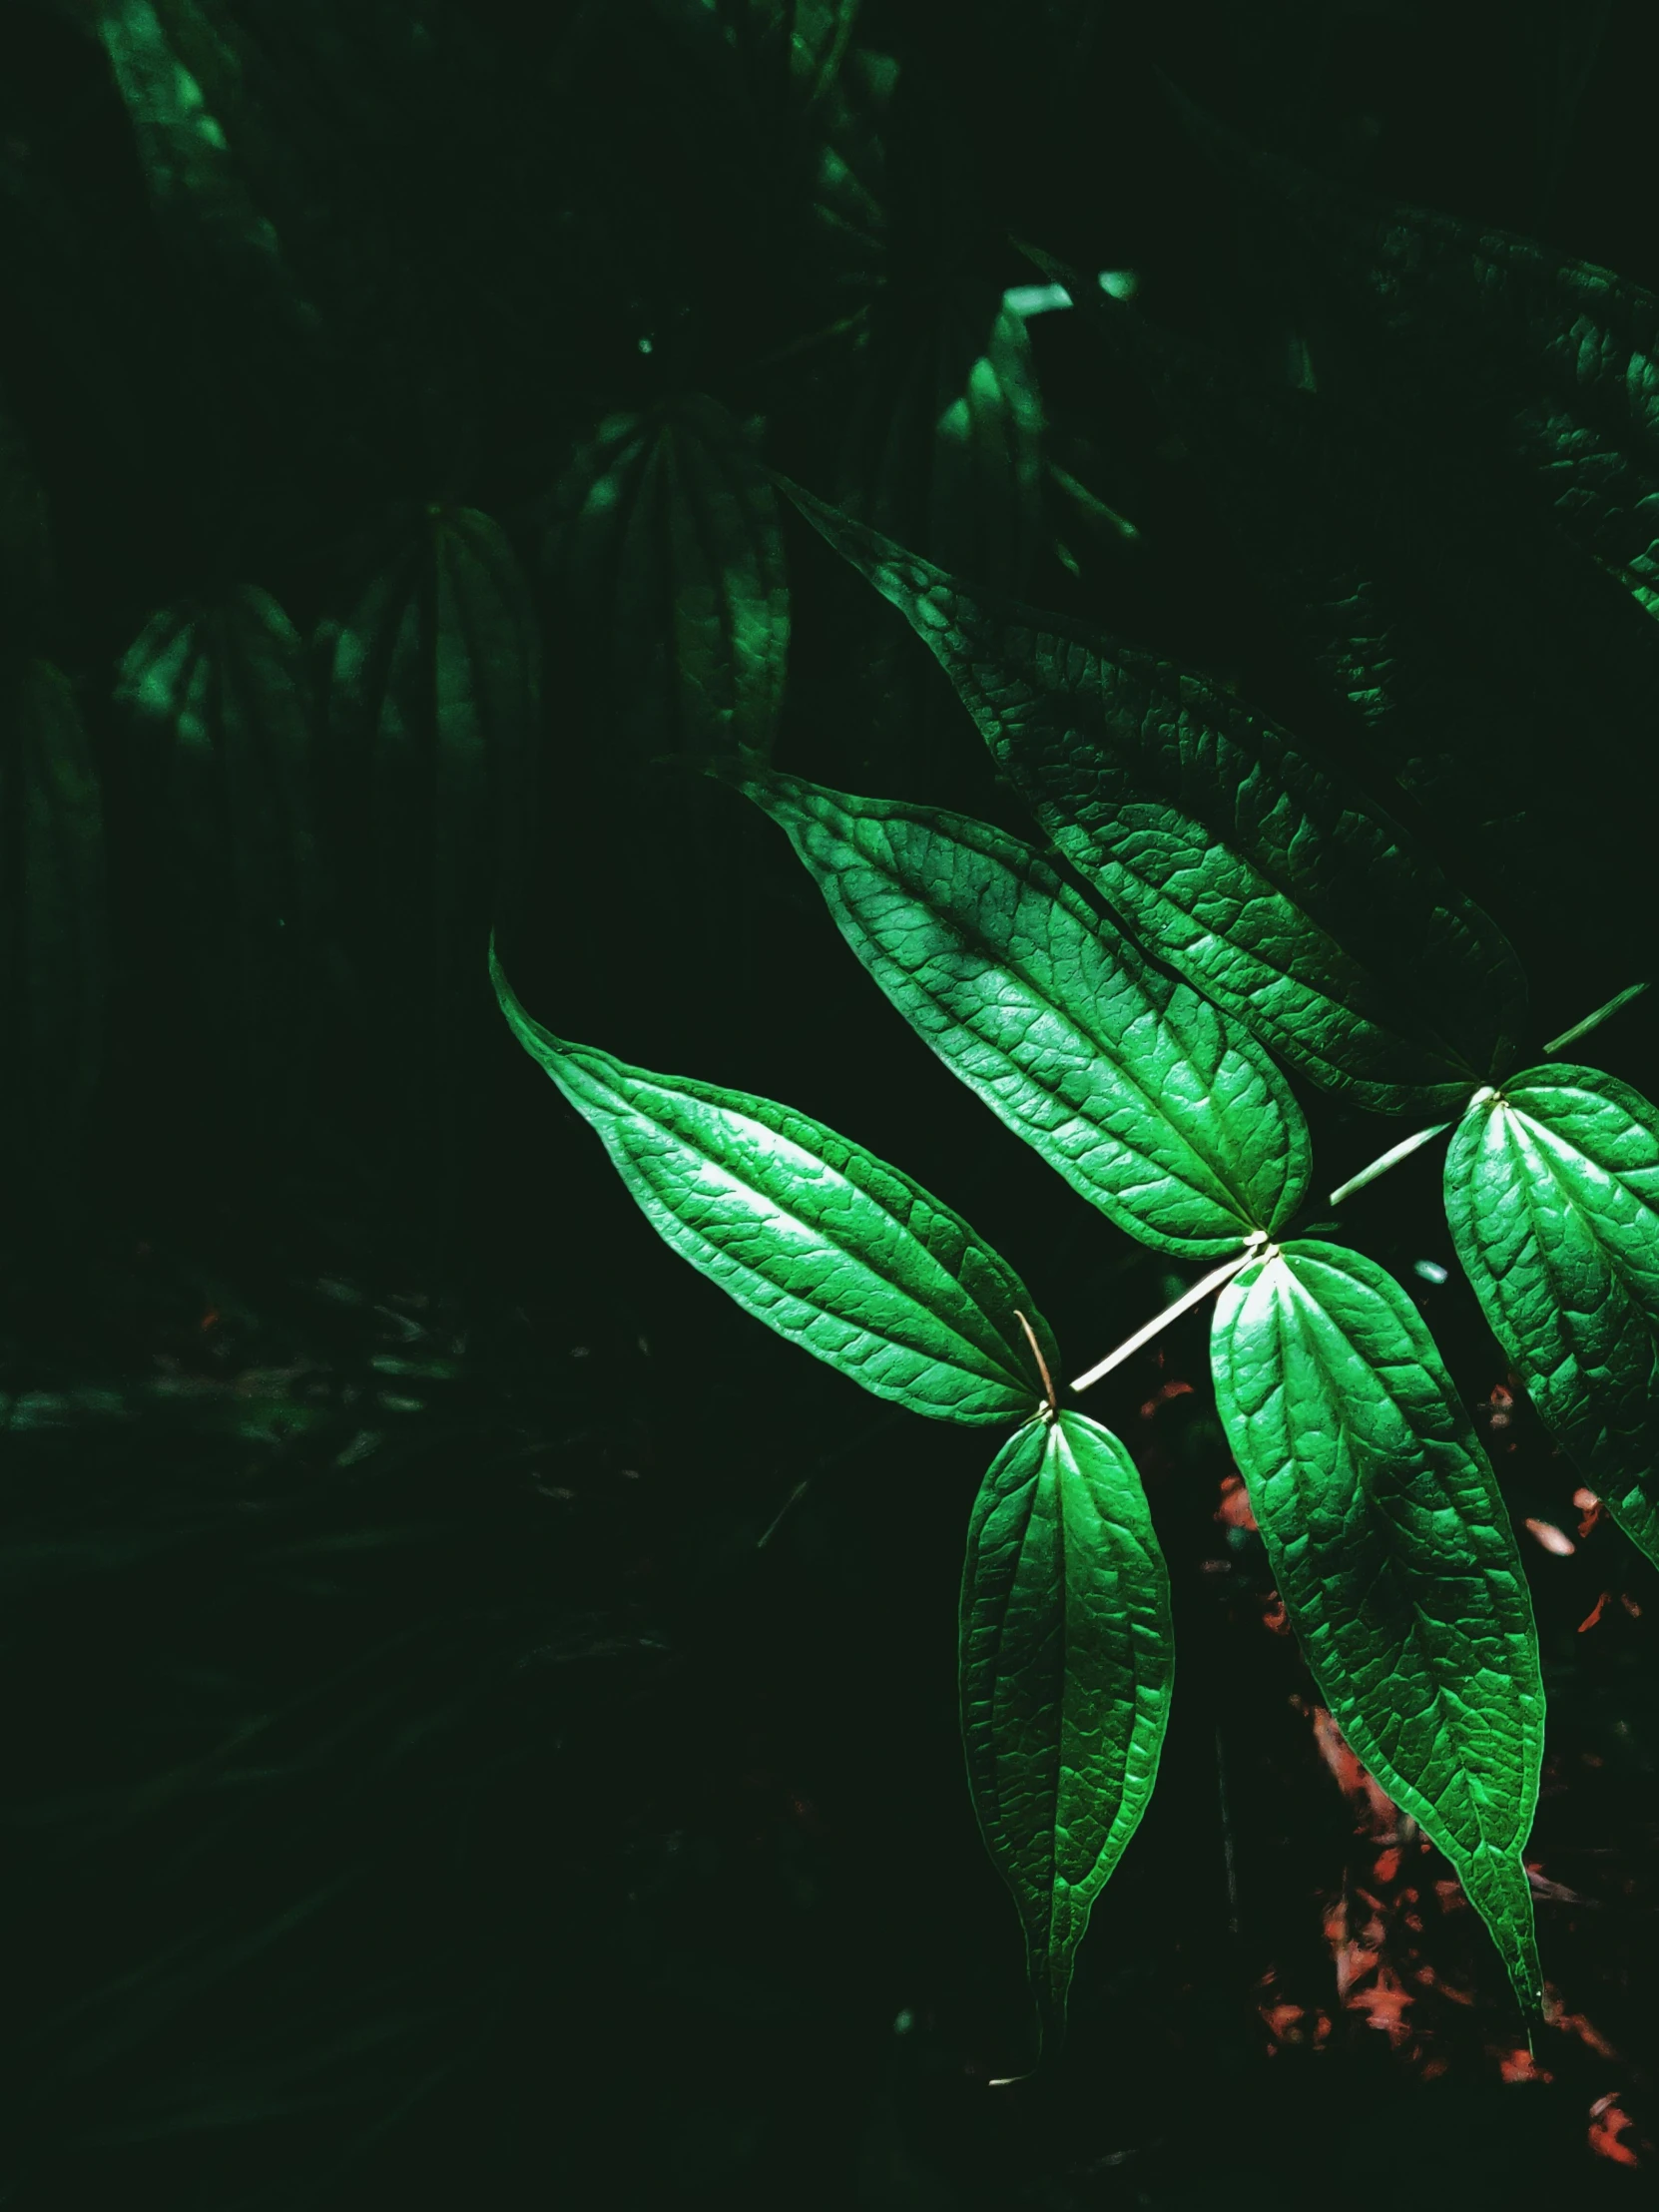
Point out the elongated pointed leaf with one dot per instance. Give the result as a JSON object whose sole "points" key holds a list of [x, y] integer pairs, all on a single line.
{"points": [[666, 531], [1556, 361], [1280, 890], [1552, 1194], [809, 1232], [1149, 1100], [1068, 1659], [1395, 1557]]}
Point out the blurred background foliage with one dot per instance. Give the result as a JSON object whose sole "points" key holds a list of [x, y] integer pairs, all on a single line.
{"points": [[435, 1767]]}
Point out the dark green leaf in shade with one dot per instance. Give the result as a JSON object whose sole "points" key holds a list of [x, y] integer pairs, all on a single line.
{"points": [[809, 1232], [1329, 504], [1278, 888], [53, 930], [944, 446], [1552, 1194], [434, 706], [1553, 361], [664, 534], [190, 167], [1150, 1101], [1068, 1659], [1396, 1559], [223, 706]]}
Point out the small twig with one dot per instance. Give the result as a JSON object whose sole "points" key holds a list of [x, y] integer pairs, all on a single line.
{"points": [[1042, 1364], [1390, 1159], [1254, 1250], [1594, 1021]]}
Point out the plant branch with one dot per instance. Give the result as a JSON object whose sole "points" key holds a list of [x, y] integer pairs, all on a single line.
{"points": [[1389, 1159], [1200, 1290]]}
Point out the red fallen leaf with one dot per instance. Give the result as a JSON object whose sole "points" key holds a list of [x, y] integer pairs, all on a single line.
{"points": [[1384, 2005], [1387, 1865], [1374, 1807], [1594, 1614], [1584, 1499], [1521, 2066], [1552, 1538], [1590, 1505], [1608, 2124], [1274, 1615], [1630, 1605], [1162, 1396], [1575, 2023], [1234, 1510], [209, 1320]]}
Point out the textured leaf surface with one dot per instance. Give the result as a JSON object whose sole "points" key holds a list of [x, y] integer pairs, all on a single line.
{"points": [[1068, 1659], [1145, 1097], [666, 530], [1552, 1194], [1278, 888], [1556, 359], [1395, 1557], [809, 1232]]}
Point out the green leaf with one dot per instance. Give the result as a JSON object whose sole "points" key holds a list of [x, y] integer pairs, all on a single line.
{"points": [[1395, 1557], [945, 444], [1552, 1194], [809, 1232], [221, 697], [1277, 888], [665, 532], [54, 951], [435, 713], [1148, 1101], [1067, 1658], [189, 165], [1330, 505], [1553, 361]]}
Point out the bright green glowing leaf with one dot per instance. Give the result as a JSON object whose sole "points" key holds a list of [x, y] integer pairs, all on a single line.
{"points": [[1067, 1657], [809, 1232], [1556, 362], [666, 531], [1395, 1557], [1552, 1193], [53, 938], [1145, 1097], [1283, 893]]}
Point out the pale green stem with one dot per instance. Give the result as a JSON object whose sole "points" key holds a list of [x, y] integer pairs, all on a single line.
{"points": [[1390, 1159], [1594, 1021], [1200, 1291]]}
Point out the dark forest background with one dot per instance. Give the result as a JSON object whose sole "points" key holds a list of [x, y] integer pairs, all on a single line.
{"points": [[433, 1770]]}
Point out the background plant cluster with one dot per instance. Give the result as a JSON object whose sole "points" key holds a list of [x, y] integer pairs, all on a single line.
{"points": [[387, 398]]}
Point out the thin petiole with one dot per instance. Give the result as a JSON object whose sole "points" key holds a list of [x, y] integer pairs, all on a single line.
{"points": [[1390, 1159], [1594, 1021], [1200, 1291]]}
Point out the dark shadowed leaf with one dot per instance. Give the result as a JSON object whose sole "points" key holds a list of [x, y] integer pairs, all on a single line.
{"points": [[664, 534], [1553, 361]]}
